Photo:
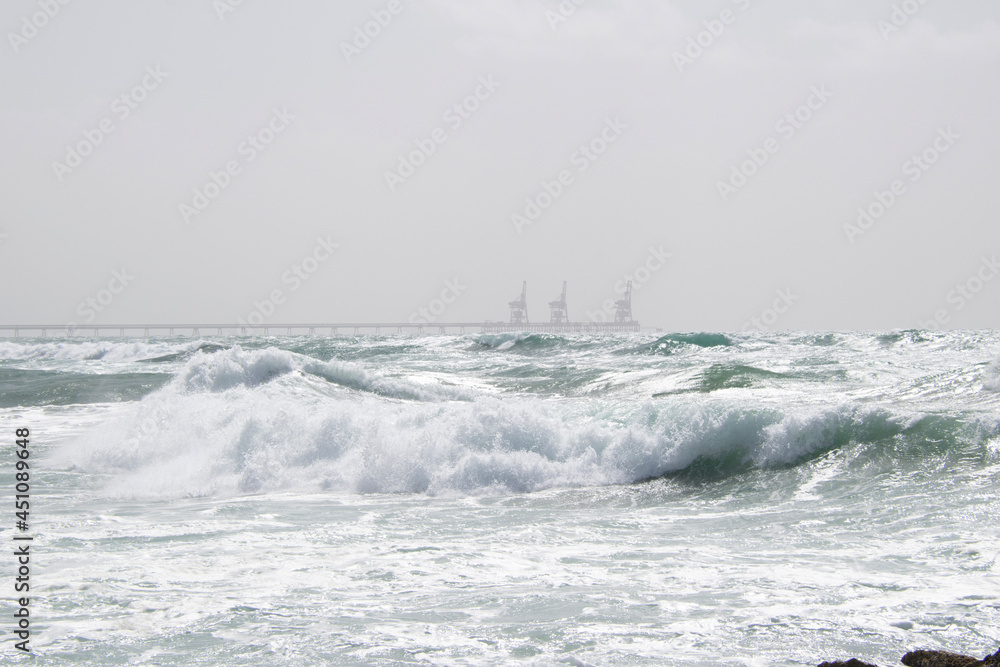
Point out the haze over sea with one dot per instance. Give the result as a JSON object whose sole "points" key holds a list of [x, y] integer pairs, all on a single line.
{"points": [[643, 499]]}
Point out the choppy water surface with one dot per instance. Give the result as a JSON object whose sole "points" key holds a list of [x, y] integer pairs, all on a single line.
{"points": [[687, 499]]}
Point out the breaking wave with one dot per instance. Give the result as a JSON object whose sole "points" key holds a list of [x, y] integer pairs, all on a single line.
{"points": [[243, 422]]}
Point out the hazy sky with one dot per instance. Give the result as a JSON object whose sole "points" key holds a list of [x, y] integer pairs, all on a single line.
{"points": [[358, 161]]}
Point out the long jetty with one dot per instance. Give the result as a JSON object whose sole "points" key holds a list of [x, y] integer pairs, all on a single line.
{"points": [[356, 328]]}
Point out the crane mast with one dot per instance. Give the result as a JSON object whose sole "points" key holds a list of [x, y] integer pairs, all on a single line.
{"points": [[559, 321], [558, 310], [519, 307], [623, 312]]}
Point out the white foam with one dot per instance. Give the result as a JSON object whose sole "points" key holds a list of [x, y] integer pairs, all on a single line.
{"points": [[235, 367], [240, 422], [91, 350], [253, 440], [992, 376]]}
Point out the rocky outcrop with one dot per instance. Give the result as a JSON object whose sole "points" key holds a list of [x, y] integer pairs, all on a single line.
{"points": [[945, 659], [929, 659]]}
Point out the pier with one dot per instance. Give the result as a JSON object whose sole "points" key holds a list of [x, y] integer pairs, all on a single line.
{"points": [[519, 322], [325, 329]]}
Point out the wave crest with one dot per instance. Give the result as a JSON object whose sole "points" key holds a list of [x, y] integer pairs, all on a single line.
{"points": [[238, 368], [229, 443]]}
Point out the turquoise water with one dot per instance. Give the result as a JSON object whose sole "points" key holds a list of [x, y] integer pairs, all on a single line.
{"points": [[689, 499]]}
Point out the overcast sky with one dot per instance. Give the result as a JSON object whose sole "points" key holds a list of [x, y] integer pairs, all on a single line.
{"points": [[175, 161]]}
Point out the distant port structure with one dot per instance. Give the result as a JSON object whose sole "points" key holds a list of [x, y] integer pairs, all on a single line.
{"points": [[519, 321], [559, 321]]}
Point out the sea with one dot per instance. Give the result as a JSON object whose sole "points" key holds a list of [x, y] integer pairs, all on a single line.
{"points": [[751, 499]]}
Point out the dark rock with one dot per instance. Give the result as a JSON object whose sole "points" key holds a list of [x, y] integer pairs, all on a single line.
{"points": [[939, 659], [928, 659]]}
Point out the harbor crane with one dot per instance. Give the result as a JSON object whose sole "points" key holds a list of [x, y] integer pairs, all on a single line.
{"points": [[623, 313], [559, 324], [558, 308], [519, 308]]}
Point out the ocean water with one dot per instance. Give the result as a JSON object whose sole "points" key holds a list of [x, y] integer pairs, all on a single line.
{"points": [[646, 499]]}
